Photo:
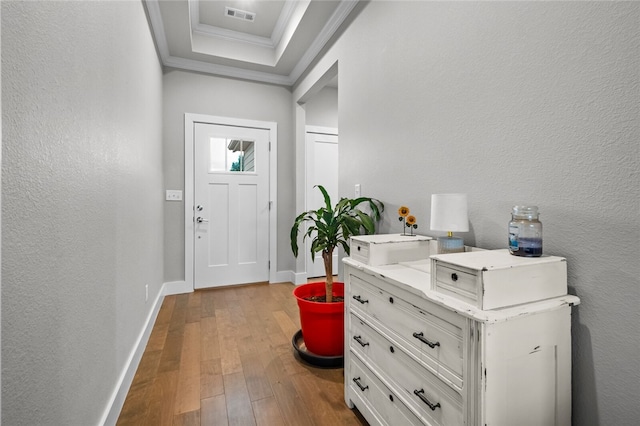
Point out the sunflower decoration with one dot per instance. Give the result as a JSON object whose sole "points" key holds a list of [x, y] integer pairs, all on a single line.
{"points": [[409, 221]]}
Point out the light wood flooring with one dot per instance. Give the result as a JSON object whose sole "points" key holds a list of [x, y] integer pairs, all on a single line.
{"points": [[224, 357]]}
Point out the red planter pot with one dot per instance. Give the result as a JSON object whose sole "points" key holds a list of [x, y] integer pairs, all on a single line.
{"points": [[322, 323]]}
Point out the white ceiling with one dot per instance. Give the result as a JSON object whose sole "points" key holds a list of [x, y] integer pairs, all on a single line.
{"points": [[276, 47]]}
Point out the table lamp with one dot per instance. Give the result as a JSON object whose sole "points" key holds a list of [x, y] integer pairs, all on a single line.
{"points": [[449, 214]]}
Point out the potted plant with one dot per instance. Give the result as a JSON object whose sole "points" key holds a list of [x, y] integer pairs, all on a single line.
{"points": [[330, 226]]}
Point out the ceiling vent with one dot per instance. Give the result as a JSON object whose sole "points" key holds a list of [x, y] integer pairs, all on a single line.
{"points": [[239, 14]]}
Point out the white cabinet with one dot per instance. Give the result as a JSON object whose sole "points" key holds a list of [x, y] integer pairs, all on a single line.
{"points": [[414, 355]]}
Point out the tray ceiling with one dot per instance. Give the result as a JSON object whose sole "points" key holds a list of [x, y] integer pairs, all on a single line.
{"points": [[275, 44]]}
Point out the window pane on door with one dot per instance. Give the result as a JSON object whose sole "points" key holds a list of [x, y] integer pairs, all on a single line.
{"points": [[232, 155]]}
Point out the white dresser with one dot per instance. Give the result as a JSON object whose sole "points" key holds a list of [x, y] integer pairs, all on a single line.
{"points": [[416, 354]]}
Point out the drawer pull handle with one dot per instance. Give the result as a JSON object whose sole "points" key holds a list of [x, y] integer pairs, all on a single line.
{"points": [[391, 349], [420, 336], [356, 380], [454, 277], [359, 340], [420, 394], [360, 299], [391, 300], [359, 248]]}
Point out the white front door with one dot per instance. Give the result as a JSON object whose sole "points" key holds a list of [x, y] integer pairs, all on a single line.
{"points": [[231, 199], [322, 169]]}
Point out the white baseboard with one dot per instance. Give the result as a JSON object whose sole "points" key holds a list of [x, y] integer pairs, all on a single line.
{"points": [[293, 277], [112, 412], [300, 278], [176, 287], [284, 277]]}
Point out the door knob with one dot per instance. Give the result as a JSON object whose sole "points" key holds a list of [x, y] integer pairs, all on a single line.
{"points": [[201, 219], [199, 207]]}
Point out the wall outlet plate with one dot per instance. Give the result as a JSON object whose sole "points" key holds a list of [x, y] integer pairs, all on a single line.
{"points": [[173, 195]]}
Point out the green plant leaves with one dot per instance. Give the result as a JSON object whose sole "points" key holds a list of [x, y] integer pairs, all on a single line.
{"points": [[332, 226]]}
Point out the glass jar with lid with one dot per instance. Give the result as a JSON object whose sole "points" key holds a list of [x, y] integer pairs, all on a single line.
{"points": [[525, 232]]}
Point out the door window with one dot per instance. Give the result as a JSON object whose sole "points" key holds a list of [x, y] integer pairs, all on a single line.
{"points": [[231, 155]]}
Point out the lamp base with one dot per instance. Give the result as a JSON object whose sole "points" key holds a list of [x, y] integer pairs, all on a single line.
{"points": [[450, 245]]}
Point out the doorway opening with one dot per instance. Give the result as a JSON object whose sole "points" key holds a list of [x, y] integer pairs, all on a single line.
{"points": [[317, 114]]}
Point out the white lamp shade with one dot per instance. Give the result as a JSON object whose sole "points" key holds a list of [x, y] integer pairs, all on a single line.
{"points": [[449, 213]]}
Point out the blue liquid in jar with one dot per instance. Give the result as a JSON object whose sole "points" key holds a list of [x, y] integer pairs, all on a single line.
{"points": [[529, 247]]}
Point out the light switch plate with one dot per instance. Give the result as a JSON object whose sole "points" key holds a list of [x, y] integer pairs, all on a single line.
{"points": [[173, 195]]}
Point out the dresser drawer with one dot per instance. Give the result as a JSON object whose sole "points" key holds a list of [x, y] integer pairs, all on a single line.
{"points": [[459, 282], [432, 341], [367, 391], [424, 393], [360, 251], [493, 279]]}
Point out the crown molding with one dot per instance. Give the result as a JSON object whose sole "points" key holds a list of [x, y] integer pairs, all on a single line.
{"points": [[223, 33], [227, 71], [157, 28]]}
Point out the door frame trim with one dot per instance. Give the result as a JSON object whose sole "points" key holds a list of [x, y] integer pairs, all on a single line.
{"points": [[189, 187], [321, 130]]}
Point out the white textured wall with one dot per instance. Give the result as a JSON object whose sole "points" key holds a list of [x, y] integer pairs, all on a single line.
{"points": [[512, 102], [82, 200], [186, 92], [322, 109]]}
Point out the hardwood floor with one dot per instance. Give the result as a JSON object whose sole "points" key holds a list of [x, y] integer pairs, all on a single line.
{"points": [[224, 357]]}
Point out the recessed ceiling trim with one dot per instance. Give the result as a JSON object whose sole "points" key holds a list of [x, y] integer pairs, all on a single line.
{"points": [[293, 25], [281, 24], [226, 71], [159, 33], [233, 50], [210, 31], [337, 18]]}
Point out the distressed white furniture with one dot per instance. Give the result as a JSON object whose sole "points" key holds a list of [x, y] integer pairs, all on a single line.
{"points": [[385, 249], [414, 355]]}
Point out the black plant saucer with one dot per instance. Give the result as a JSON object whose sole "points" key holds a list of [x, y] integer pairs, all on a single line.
{"points": [[316, 360]]}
